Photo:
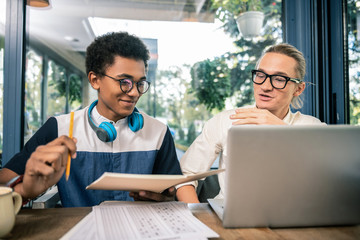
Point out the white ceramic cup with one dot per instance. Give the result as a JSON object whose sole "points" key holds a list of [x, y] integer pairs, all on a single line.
{"points": [[10, 204]]}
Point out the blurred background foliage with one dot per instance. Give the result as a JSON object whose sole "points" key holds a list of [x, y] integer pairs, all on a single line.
{"points": [[235, 67]]}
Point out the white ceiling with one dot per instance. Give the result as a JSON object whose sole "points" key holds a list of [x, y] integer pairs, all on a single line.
{"points": [[69, 18]]}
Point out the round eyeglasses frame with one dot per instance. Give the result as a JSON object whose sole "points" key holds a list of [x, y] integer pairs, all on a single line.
{"points": [[132, 84], [287, 79]]}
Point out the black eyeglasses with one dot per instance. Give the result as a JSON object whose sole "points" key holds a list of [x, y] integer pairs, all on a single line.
{"points": [[277, 81], [127, 84]]}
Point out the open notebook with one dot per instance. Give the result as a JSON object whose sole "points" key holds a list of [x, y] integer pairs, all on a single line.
{"points": [[291, 176]]}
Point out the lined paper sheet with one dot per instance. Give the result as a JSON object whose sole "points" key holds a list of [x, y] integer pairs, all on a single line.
{"points": [[167, 220], [85, 229], [139, 220]]}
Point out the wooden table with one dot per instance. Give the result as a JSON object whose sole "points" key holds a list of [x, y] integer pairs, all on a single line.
{"points": [[52, 223]]}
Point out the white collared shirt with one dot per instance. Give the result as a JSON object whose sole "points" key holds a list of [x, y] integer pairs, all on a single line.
{"points": [[211, 143]]}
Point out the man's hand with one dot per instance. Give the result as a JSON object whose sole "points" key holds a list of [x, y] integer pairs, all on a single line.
{"points": [[255, 116], [46, 166], [167, 195]]}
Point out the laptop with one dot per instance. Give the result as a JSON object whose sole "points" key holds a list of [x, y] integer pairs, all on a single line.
{"points": [[291, 176]]}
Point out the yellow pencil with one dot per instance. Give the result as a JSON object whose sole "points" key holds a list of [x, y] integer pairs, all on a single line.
{"points": [[70, 136]]}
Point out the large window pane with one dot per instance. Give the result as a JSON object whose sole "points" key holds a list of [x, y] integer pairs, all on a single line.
{"points": [[33, 93], [2, 46], [354, 59]]}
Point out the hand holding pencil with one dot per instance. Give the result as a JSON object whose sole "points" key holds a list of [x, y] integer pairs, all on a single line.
{"points": [[46, 165]]}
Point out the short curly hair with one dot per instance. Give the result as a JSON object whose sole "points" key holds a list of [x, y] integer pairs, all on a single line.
{"points": [[101, 53]]}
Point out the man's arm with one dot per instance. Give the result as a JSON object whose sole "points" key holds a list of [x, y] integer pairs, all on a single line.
{"points": [[6, 175], [187, 194], [47, 133]]}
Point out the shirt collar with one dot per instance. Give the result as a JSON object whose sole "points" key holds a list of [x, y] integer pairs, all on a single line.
{"points": [[288, 117], [98, 119]]}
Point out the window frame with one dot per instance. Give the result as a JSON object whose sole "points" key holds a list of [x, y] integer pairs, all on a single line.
{"points": [[14, 79], [314, 27]]}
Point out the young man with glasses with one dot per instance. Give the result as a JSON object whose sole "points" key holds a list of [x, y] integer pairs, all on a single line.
{"points": [[278, 83], [110, 135]]}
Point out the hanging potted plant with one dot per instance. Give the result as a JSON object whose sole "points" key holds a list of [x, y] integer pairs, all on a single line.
{"points": [[250, 21], [247, 13]]}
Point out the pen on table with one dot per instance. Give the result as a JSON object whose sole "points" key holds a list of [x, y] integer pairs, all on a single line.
{"points": [[70, 136]]}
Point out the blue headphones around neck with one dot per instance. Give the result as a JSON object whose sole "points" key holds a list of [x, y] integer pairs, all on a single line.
{"points": [[106, 132]]}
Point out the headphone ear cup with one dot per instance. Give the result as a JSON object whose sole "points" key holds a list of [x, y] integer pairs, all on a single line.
{"points": [[102, 134], [141, 121], [135, 121], [106, 132]]}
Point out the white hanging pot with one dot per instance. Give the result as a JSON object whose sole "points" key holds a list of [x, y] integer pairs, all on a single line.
{"points": [[250, 23]]}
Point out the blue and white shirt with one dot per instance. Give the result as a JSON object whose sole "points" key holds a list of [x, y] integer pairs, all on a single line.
{"points": [[150, 150]]}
